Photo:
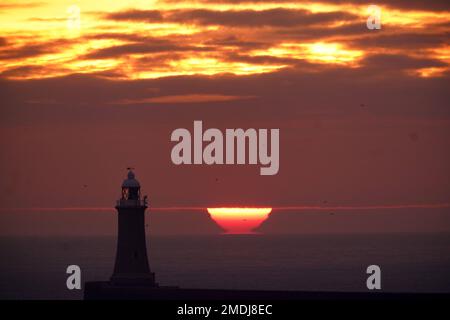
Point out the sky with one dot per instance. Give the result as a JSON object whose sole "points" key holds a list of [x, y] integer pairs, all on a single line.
{"points": [[363, 114]]}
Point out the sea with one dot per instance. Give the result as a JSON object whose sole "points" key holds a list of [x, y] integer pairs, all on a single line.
{"points": [[35, 267]]}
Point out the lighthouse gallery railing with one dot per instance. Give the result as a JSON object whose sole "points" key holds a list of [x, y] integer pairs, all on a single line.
{"points": [[131, 203]]}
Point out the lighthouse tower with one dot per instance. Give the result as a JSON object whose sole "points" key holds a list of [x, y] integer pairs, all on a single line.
{"points": [[131, 266]]}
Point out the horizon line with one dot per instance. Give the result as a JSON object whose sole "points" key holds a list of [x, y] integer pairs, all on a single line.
{"points": [[274, 208]]}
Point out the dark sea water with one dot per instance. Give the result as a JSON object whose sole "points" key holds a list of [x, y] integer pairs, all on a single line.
{"points": [[34, 267]]}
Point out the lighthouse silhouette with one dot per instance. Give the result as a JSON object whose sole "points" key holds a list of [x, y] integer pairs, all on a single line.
{"points": [[132, 277], [131, 265]]}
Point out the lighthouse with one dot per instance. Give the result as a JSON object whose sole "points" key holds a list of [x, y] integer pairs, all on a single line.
{"points": [[131, 265]]}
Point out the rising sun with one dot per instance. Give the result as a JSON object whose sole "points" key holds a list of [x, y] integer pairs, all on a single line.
{"points": [[239, 220]]}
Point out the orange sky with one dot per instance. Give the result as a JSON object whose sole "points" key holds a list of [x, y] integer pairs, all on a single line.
{"points": [[151, 39]]}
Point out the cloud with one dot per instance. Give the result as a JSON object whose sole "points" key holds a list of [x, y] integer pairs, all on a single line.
{"points": [[399, 62], [26, 51], [123, 35], [23, 5], [234, 41], [22, 71], [402, 40], [430, 5], [136, 15], [253, 18], [283, 95], [235, 18], [186, 98], [267, 59], [211, 41], [316, 33], [146, 45], [10, 52], [134, 48]]}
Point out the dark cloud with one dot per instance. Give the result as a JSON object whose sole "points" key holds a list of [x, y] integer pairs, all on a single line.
{"points": [[136, 15], [32, 49], [406, 40], [399, 62], [234, 41], [262, 59], [430, 5], [322, 32], [435, 5], [156, 46], [131, 37], [252, 18], [235, 18], [25, 51], [133, 48], [22, 71]]}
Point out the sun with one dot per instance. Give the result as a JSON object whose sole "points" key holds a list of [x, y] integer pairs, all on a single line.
{"points": [[239, 220]]}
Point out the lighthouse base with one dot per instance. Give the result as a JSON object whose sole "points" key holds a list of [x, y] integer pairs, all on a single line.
{"points": [[146, 280], [109, 290]]}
